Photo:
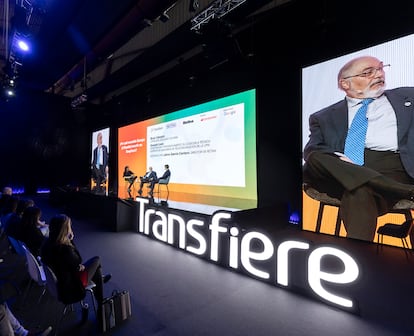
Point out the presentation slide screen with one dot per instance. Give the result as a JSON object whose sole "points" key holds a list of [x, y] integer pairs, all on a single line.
{"points": [[320, 90], [99, 158], [210, 149]]}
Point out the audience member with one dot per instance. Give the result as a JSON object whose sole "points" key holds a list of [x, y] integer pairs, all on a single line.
{"points": [[9, 210], [7, 192], [60, 253], [12, 226], [12, 273], [150, 177], [11, 326], [23, 204], [29, 232]]}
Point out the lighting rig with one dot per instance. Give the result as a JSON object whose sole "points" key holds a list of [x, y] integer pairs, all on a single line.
{"points": [[18, 31], [217, 9]]}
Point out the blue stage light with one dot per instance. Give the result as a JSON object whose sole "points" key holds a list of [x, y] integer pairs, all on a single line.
{"points": [[23, 45], [10, 92], [294, 217]]}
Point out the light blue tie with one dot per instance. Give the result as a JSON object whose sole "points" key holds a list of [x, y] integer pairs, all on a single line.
{"points": [[355, 140], [98, 159]]}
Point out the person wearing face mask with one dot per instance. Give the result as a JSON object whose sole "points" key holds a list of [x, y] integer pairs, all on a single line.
{"points": [[370, 180], [59, 252]]}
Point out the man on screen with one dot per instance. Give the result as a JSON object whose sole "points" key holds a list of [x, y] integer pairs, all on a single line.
{"points": [[100, 163], [369, 185]]}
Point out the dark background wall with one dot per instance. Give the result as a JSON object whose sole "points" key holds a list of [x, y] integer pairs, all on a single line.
{"points": [[46, 143]]}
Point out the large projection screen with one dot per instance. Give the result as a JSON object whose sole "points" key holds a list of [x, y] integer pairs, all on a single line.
{"points": [[104, 135], [210, 149], [320, 89]]}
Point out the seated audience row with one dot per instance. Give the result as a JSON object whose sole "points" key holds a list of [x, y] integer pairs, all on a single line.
{"points": [[56, 249]]}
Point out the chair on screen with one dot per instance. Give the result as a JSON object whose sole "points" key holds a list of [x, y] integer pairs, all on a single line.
{"points": [[401, 231], [324, 200], [403, 207], [104, 185]]}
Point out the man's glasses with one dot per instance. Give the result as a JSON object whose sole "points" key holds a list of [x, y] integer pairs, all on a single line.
{"points": [[370, 72]]}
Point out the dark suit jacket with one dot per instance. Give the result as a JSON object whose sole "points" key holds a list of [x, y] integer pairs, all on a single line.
{"points": [[152, 176], [165, 176], [329, 127], [105, 156]]}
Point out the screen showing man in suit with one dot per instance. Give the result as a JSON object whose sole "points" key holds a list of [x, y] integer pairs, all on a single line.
{"points": [[100, 160], [377, 105]]}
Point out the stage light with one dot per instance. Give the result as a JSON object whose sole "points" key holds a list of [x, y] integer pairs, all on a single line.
{"points": [[23, 45], [8, 86], [20, 44], [9, 92], [79, 100]]}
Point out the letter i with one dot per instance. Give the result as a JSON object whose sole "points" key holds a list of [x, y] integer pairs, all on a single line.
{"points": [[234, 248]]}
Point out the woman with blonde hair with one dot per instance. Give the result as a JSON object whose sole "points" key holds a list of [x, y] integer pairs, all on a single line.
{"points": [[60, 253]]}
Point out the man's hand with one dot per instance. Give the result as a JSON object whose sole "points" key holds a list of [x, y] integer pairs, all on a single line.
{"points": [[343, 157]]}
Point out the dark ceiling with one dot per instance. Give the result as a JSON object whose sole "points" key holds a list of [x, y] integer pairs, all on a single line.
{"points": [[105, 48]]}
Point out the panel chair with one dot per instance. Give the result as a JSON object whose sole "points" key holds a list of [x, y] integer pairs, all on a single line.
{"points": [[403, 207], [324, 200], [51, 281], [165, 183], [104, 185], [36, 272], [130, 190], [401, 231]]}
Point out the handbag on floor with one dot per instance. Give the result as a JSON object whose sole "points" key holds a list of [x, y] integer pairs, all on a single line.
{"points": [[115, 309]]}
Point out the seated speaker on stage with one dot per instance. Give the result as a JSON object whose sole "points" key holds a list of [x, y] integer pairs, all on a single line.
{"points": [[164, 176], [130, 177], [164, 179], [150, 177]]}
